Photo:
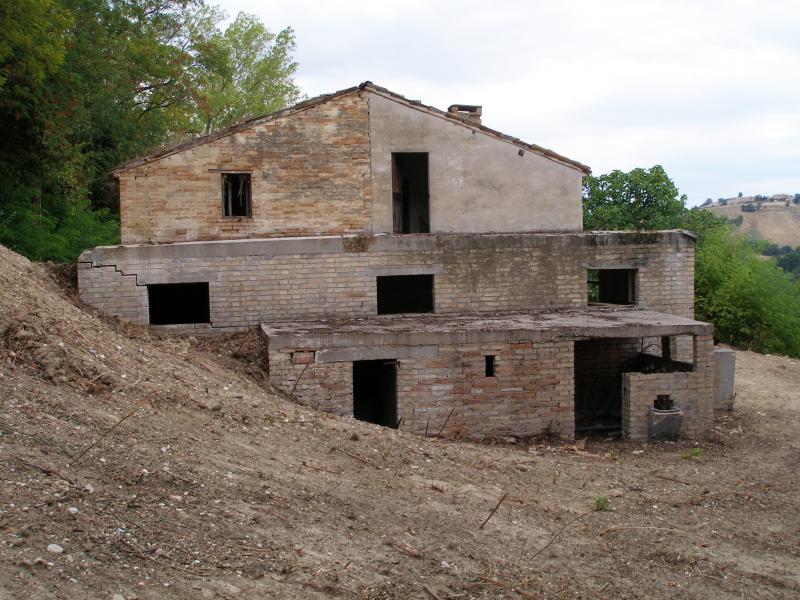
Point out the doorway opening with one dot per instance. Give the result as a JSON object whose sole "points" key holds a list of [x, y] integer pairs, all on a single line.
{"points": [[410, 193], [375, 392], [599, 364]]}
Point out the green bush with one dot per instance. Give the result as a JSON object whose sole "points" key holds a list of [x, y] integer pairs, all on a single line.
{"points": [[57, 238], [752, 303]]}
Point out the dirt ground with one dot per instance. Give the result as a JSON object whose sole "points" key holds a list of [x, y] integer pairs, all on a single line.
{"points": [[134, 465]]}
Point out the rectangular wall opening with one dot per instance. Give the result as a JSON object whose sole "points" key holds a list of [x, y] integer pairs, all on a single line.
{"points": [[489, 366], [599, 364], [178, 303], [410, 192], [375, 392], [236, 195], [399, 294], [611, 286]]}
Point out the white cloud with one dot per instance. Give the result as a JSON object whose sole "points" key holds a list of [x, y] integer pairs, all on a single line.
{"points": [[708, 89]]}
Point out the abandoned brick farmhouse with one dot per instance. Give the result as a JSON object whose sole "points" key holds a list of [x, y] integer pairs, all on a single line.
{"points": [[411, 267]]}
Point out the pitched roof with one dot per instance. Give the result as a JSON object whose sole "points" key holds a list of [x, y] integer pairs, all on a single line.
{"points": [[368, 86]]}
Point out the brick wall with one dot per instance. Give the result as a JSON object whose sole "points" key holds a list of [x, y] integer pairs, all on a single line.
{"points": [[309, 176], [531, 392], [692, 391], [269, 280]]}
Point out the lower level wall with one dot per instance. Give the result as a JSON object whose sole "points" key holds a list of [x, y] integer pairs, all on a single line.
{"points": [[532, 391], [693, 392]]}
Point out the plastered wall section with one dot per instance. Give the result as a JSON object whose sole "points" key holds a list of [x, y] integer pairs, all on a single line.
{"points": [[692, 391], [270, 280], [478, 183], [309, 176], [532, 391]]}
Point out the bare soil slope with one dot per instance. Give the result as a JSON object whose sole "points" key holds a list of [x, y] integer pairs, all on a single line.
{"points": [[165, 468]]}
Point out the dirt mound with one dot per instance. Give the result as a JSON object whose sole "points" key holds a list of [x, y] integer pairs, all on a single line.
{"points": [[158, 467]]}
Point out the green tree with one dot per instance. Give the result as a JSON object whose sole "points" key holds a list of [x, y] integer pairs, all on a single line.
{"points": [[243, 72], [640, 199], [31, 38], [87, 84]]}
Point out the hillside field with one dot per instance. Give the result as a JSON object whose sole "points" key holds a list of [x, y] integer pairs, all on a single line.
{"points": [[774, 222], [138, 465]]}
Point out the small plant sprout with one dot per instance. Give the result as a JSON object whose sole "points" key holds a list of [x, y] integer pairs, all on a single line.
{"points": [[601, 503], [614, 454], [691, 453]]}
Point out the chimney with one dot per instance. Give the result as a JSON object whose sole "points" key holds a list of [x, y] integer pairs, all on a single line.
{"points": [[466, 112]]}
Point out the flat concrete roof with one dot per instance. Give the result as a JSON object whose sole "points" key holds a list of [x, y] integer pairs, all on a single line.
{"points": [[596, 321]]}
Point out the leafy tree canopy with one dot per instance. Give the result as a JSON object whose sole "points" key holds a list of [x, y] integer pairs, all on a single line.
{"points": [[87, 84], [640, 199]]}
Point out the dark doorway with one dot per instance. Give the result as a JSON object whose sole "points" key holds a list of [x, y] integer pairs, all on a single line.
{"points": [[375, 392], [599, 365], [178, 303], [612, 286], [410, 193], [405, 294]]}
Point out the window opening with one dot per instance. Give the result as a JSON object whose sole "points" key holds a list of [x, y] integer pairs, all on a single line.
{"points": [[236, 195], [489, 360], [410, 193], [178, 303], [611, 286], [375, 392], [664, 402], [399, 294]]}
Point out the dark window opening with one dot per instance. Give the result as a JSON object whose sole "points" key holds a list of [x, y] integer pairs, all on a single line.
{"points": [[405, 294], [410, 193], [489, 366], [612, 286], [375, 392], [178, 303], [236, 196], [664, 402]]}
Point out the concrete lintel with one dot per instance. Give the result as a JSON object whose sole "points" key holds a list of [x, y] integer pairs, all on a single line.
{"points": [[161, 276], [409, 270], [634, 263], [376, 353]]}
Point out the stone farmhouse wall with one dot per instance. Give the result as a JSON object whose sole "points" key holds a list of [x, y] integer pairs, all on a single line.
{"points": [[258, 281], [531, 392], [310, 175], [324, 168]]}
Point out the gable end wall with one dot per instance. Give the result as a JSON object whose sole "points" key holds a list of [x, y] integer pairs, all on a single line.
{"points": [[310, 176]]}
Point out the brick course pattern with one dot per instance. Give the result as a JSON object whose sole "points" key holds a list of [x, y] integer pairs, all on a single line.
{"points": [[693, 392], [310, 175], [532, 390], [306, 279]]}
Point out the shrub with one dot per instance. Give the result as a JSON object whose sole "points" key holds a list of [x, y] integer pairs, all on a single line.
{"points": [[752, 304], [58, 238]]}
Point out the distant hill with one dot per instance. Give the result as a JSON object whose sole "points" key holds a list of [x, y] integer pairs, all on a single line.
{"points": [[773, 218]]}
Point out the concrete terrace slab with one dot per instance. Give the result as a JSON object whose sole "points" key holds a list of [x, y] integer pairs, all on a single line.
{"points": [[599, 321]]}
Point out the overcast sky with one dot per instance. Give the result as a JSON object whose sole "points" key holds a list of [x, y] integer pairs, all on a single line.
{"points": [[710, 90]]}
